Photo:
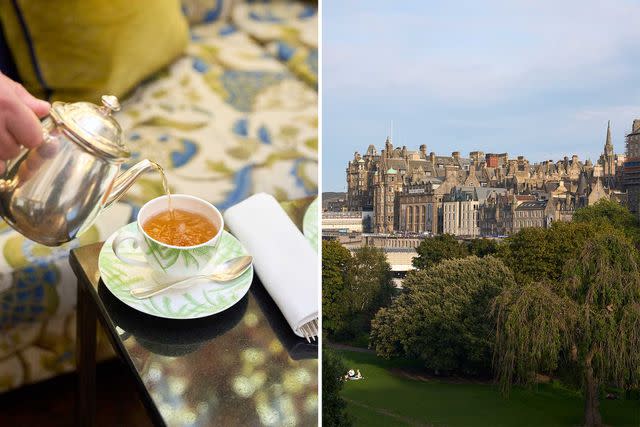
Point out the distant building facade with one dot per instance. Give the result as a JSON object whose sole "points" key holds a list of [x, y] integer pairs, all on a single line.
{"points": [[484, 194], [349, 221], [631, 171], [530, 214]]}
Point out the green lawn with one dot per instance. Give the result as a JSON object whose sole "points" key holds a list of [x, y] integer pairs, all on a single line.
{"points": [[386, 399]]}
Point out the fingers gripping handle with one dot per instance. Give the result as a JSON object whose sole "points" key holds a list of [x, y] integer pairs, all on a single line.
{"points": [[123, 237]]}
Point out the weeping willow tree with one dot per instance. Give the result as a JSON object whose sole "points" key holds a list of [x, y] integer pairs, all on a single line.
{"points": [[591, 317]]}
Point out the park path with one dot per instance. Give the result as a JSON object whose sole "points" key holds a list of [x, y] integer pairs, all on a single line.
{"points": [[348, 347], [409, 421]]}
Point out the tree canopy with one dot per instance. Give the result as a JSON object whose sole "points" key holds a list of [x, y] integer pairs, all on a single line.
{"points": [[333, 406], [444, 316], [369, 287], [592, 315], [613, 215], [335, 262], [482, 247], [537, 254], [432, 250], [353, 289]]}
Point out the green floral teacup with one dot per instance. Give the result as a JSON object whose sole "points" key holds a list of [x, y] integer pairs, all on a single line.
{"points": [[170, 262]]}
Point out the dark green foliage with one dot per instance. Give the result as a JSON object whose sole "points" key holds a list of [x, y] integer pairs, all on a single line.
{"points": [[607, 213], [333, 406], [369, 287], [538, 254], [534, 324], [335, 261], [604, 281], [591, 314], [444, 317], [353, 289], [482, 247], [432, 250]]}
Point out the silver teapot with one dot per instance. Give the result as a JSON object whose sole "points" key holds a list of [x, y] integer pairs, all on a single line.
{"points": [[54, 192]]}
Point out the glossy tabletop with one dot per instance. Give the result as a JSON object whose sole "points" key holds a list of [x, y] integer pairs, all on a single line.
{"points": [[240, 367]]}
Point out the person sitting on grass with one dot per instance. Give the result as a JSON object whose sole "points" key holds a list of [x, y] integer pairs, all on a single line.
{"points": [[353, 375]]}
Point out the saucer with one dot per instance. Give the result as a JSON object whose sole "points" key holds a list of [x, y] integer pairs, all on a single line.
{"points": [[310, 224], [203, 298]]}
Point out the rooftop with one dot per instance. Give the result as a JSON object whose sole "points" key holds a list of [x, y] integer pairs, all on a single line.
{"points": [[532, 205]]}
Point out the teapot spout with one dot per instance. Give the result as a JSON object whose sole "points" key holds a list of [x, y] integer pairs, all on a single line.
{"points": [[126, 179]]}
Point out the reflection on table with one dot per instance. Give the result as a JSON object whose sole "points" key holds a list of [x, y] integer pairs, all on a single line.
{"points": [[240, 367]]}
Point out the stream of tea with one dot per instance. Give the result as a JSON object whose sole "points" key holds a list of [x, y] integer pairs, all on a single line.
{"points": [[178, 227], [165, 187]]}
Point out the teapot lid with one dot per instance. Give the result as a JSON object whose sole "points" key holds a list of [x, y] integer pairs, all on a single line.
{"points": [[93, 126]]}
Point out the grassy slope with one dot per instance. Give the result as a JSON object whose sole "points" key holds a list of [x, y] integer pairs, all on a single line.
{"points": [[444, 404]]}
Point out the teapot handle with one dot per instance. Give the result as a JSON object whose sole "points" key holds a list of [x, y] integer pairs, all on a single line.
{"points": [[46, 150]]}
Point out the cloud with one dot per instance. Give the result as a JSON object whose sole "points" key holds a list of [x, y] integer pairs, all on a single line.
{"points": [[631, 111], [494, 53], [533, 77]]}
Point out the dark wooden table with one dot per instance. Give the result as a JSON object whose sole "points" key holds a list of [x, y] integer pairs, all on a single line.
{"points": [[243, 366]]}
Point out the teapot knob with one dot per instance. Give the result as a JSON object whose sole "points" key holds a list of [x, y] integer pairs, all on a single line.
{"points": [[111, 104]]}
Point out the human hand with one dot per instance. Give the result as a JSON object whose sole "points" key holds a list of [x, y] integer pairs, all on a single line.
{"points": [[19, 124]]}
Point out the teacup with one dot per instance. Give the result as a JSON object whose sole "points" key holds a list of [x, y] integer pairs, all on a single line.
{"points": [[170, 262]]}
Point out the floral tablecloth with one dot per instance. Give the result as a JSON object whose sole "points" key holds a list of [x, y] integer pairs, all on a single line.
{"points": [[236, 115]]}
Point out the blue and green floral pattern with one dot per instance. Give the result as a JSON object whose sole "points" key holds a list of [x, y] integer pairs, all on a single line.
{"points": [[236, 115]]}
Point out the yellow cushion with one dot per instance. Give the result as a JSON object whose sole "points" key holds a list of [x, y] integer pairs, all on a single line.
{"points": [[74, 50]]}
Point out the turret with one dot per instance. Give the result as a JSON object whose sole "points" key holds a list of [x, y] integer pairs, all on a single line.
{"points": [[388, 146]]}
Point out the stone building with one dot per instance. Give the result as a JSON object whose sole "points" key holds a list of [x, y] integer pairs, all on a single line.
{"points": [[460, 218], [495, 216], [420, 192], [360, 180], [631, 172], [350, 221], [530, 214]]}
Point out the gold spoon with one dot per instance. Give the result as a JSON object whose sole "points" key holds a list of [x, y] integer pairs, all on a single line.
{"points": [[225, 272]]}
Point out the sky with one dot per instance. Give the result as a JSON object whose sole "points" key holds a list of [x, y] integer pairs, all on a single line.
{"points": [[537, 78]]}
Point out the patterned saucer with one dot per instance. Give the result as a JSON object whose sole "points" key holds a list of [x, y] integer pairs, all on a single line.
{"points": [[310, 224], [201, 299]]}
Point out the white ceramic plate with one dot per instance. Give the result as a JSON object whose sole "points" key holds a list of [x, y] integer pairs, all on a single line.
{"points": [[201, 299]]}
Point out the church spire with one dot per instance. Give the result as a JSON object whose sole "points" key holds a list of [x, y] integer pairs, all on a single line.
{"points": [[608, 145]]}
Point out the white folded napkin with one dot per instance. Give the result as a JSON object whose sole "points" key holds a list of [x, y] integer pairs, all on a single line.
{"points": [[284, 260]]}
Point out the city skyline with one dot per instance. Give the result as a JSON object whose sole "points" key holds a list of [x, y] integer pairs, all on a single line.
{"points": [[593, 159], [465, 78]]}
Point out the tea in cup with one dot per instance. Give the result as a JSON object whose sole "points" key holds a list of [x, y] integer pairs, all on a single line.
{"points": [[178, 241]]}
